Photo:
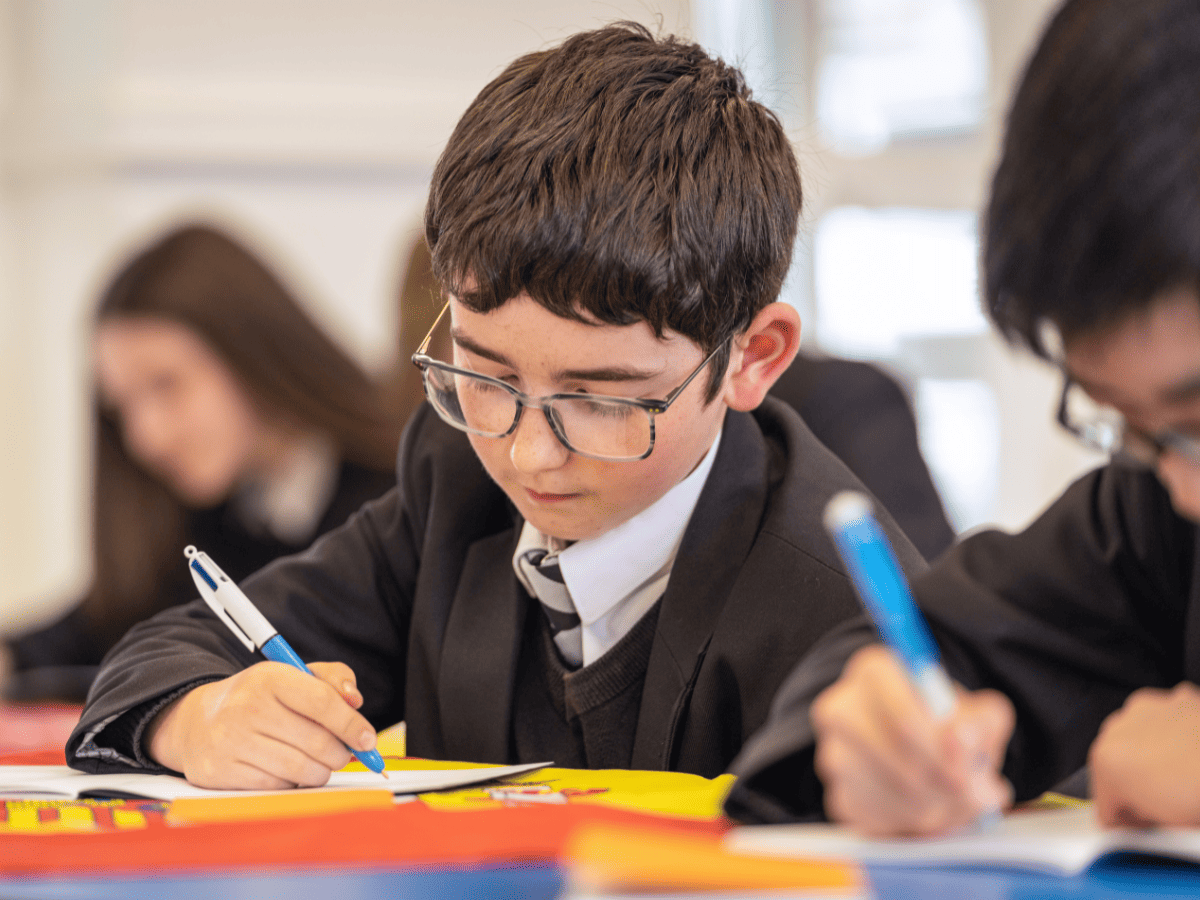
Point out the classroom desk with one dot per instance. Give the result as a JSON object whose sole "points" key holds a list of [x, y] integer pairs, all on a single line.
{"points": [[507, 851]]}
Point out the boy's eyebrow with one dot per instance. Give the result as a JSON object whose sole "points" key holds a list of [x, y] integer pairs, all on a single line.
{"points": [[611, 373], [466, 343], [604, 373]]}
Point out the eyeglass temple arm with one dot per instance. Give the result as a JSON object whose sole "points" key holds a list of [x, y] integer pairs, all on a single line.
{"points": [[429, 335]]}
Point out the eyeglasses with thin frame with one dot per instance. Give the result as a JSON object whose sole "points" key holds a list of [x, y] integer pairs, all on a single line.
{"points": [[1103, 428], [616, 429]]}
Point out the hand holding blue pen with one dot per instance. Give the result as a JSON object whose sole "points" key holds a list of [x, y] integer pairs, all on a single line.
{"points": [[882, 771], [251, 627]]}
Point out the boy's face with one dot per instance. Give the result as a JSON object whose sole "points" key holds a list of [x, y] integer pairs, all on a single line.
{"points": [[562, 494], [1148, 368]]}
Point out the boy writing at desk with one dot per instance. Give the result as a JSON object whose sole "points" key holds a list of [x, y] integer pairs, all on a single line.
{"points": [[613, 220], [1081, 635]]}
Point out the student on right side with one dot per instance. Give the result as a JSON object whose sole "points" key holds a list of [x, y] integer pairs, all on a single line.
{"points": [[1077, 640]]}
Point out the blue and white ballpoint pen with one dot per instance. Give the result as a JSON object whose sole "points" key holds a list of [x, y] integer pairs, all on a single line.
{"points": [[251, 627], [884, 592], [883, 589]]}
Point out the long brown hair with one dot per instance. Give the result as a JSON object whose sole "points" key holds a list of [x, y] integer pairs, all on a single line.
{"points": [[203, 279]]}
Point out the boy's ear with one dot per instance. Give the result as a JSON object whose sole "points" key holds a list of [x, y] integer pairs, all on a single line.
{"points": [[761, 354]]}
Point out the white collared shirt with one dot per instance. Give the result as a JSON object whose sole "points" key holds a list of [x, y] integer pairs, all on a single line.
{"points": [[614, 578], [290, 503]]}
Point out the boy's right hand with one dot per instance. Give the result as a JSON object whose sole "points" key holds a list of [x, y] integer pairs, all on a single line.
{"points": [[890, 769], [269, 726]]}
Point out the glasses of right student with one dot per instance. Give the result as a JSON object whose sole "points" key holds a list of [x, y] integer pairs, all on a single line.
{"points": [[617, 429], [1102, 428]]}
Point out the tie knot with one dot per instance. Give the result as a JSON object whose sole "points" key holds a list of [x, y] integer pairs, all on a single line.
{"points": [[546, 564]]}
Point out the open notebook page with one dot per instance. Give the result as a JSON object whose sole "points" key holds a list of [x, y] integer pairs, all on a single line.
{"points": [[1059, 840], [61, 781]]}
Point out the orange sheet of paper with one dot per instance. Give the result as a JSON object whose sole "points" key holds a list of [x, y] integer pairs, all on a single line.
{"points": [[205, 810], [604, 857]]}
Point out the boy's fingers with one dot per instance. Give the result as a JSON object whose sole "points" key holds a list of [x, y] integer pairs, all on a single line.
{"points": [[857, 793], [855, 735], [871, 803], [889, 768], [291, 763], [269, 726], [907, 735], [878, 797], [875, 707], [341, 678], [259, 762], [977, 736], [307, 738], [321, 702]]}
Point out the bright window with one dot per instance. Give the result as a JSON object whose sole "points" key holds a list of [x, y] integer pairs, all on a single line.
{"points": [[886, 275], [900, 69], [900, 285]]}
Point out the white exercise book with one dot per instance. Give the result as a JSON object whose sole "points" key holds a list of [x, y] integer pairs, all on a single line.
{"points": [[55, 782], [1064, 841]]}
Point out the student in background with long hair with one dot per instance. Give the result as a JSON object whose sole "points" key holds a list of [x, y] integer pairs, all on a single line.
{"points": [[224, 417]]}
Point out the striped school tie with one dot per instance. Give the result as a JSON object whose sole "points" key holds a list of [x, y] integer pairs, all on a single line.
{"points": [[546, 578]]}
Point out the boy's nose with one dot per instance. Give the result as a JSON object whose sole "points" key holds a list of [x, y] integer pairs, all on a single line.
{"points": [[535, 446]]}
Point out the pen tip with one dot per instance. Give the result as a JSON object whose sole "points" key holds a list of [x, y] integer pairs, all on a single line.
{"points": [[385, 774]]}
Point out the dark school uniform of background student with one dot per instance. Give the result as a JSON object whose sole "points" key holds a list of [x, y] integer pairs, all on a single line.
{"points": [[59, 660], [862, 414], [552, 268], [1085, 627]]}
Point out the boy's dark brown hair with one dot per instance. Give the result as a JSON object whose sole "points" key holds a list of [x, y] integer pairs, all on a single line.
{"points": [[619, 177]]}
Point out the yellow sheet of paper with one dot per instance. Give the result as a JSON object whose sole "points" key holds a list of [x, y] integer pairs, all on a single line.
{"points": [[676, 794]]}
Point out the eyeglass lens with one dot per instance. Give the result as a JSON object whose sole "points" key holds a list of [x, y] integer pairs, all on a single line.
{"points": [[610, 429]]}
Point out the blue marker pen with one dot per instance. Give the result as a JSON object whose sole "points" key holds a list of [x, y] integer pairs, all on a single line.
{"points": [[251, 627], [884, 592]]}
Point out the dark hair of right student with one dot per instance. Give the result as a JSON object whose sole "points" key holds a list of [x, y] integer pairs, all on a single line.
{"points": [[1095, 206]]}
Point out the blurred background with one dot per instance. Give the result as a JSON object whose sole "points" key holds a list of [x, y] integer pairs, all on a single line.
{"points": [[310, 127]]}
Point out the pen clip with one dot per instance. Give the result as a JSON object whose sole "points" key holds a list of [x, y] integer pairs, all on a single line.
{"points": [[205, 574]]}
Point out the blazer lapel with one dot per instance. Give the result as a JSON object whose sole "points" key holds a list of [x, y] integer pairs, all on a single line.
{"points": [[718, 539], [478, 663]]}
